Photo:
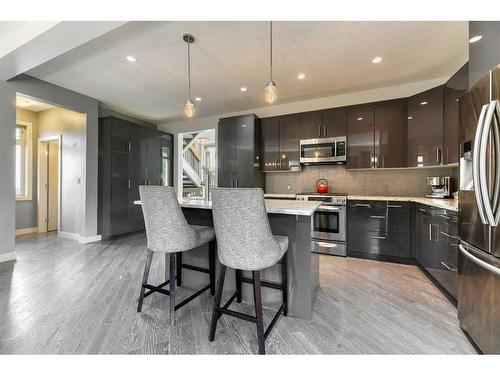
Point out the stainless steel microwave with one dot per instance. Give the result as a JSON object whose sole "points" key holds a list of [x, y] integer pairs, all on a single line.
{"points": [[323, 151]]}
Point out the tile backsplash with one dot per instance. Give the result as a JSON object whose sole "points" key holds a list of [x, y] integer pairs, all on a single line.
{"points": [[400, 182]]}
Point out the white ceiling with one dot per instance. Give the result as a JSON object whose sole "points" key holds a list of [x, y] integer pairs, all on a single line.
{"points": [[30, 104], [335, 56]]}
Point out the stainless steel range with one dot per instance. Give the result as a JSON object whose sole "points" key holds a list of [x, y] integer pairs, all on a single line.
{"points": [[328, 224]]}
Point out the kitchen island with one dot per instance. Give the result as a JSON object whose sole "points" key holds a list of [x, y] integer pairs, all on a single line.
{"points": [[286, 217]]}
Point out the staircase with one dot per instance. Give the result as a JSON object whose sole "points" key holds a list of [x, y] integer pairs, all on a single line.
{"points": [[191, 164]]}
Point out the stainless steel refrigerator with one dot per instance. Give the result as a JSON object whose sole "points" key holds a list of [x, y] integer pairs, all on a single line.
{"points": [[479, 213]]}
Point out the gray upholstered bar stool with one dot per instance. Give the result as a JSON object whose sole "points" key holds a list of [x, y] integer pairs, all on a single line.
{"points": [[168, 232], [245, 242]]}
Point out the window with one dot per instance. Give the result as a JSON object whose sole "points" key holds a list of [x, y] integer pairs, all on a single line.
{"points": [[23, 161]]}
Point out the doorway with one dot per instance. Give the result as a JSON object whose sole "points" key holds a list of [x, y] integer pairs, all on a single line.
{"points": [[49, 171]]}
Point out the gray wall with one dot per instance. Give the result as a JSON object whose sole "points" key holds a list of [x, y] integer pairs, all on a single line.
{"points": [[62, 97]]}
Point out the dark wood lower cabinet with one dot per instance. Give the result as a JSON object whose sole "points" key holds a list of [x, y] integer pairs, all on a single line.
{"points": [[408, 233], [379, 230]]}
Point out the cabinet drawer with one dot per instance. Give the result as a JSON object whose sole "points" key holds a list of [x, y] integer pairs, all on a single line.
{"points": [[398, 216]]}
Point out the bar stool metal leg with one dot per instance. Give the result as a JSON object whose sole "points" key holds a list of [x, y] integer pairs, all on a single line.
{"points": [[284, 282], [218, 297], [179, 269], [238, 286], [172, 288], [145, 276], [258, 311], [211, 265]]}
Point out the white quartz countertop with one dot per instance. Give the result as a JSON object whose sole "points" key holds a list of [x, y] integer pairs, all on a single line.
{"points": [[449, 204], [280, 196], [273, 206]]}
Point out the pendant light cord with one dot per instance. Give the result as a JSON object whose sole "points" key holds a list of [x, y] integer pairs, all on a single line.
{"points": [[189, 70], [271, 47]]}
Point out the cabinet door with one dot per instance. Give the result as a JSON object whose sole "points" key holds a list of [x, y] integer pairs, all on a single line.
{"points": [[453, 90], [311, 125], [425, 251], [446, 269], [360, 136], [390, 134], [137, 174], [290, 134], [425, 128], [226, 152], [154, 158], [269, 143], [335, 122], [244, 127]]}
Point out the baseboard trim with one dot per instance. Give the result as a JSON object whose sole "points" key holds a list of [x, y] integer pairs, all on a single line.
{"points": [[80, 239], [22, 231], [69, 235], [8, 257], [90, 239]]}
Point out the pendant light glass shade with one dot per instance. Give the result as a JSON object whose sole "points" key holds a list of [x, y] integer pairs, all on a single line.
{"points": [[271, 92], [189, 108]]}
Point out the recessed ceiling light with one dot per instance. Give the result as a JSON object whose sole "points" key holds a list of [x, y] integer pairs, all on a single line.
{"points": [[359, 118], [424, 103], [376, 60], [131, 58], [410, 117], [301, 76], [198, 99], [475, 39], [243, 89]]}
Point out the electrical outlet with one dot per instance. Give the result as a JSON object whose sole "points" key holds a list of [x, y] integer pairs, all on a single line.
{"points": [[288, 187]]}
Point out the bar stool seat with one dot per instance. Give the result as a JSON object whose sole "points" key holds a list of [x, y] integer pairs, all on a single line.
{"points": [[246, 243], [168, 232]]}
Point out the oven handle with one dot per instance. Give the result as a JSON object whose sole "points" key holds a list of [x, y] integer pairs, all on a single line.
{"points": [[329, 208]]}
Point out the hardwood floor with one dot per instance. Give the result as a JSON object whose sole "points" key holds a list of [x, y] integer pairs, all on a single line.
{"points": [[65, 297]]}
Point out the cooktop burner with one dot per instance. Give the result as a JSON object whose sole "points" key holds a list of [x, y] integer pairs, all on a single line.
{"points": [[325, 194]]}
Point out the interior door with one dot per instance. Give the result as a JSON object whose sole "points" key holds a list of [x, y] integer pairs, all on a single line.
{"points": [[389, 134], [360, 133], [471, 229], [53, 186], [120, 143]]}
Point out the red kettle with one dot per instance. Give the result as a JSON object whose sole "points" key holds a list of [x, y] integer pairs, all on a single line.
{"points": [[322, 186]]}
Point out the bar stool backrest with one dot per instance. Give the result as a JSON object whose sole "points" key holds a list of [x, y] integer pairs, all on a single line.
{"points": [[244, 237], [166, 227]]}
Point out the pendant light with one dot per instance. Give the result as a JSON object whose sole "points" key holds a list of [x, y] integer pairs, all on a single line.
{"points": [[271, 91], [189, 107]]}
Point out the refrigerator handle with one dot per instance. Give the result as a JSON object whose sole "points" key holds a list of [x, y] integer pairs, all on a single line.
{"points": [[496, 143], [479, 262], [476, 165], [485, 193]]}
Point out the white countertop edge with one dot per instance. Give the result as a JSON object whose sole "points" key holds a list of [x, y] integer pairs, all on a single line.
{"points": [[273, 206]]}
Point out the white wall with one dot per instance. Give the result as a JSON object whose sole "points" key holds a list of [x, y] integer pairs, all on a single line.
{"points": [[351, 98]]}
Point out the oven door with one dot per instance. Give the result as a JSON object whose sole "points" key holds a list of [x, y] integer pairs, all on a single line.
{"points": [[328, 223]]}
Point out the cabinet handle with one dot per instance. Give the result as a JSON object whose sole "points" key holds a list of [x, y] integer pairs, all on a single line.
{"points": [[129, 183], [394, 206], [446, 234], [325, 131], [430, 233], [421, 209], [236, 182], [319, 131], [129, 146], [438, 156], [378, 237], [362, 205], [444, 216], [378, 217], [452, 269]]}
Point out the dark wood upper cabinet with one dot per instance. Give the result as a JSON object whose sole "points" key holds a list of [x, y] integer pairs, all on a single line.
{"points": [[389, 137], [311, 125], [483, 54], [290, 133], [453, 90], [335, 122], [360, 133], [425, 128], [270, 143]]}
